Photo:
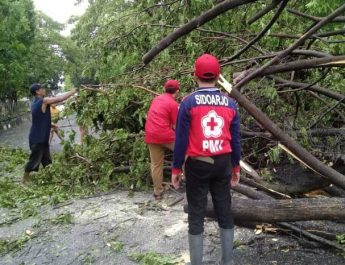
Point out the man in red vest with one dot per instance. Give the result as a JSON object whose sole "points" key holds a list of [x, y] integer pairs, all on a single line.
{"points": [[159, 131]]}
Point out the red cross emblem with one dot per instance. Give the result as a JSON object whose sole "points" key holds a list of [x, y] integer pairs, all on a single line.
{"points": [[212, 124]]}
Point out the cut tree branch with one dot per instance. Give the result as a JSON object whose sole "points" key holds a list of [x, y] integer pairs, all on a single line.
{"points": [[331, 33], [262, 187], [146, 89], [257, 195], [307, 158], [327, 132], [87, 87], [311, 53], [84, 87], [311, 236], [250, 192]]}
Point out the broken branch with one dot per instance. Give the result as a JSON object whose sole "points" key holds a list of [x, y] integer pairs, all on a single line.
{"points": [[193, 24]]}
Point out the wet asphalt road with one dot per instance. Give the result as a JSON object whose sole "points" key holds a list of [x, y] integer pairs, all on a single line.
{"points": [[16, 133], [119, 218]]}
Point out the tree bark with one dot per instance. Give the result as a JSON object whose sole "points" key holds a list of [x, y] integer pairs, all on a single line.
{"points": [[272, 211]]}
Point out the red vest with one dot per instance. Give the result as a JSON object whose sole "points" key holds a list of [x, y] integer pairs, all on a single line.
{"points": [[161, 119]]}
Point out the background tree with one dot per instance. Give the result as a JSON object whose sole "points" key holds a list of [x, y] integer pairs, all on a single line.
{"points": [[31, 49], [17, 31]]}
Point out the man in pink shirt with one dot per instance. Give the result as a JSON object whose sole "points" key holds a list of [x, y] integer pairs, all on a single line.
{"points": [[160, 131]]}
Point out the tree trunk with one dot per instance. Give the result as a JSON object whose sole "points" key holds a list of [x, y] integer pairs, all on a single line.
{"points": [[272, 211]]}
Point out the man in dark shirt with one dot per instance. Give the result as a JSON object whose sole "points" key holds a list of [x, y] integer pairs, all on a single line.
{"points": [[40, 129]]}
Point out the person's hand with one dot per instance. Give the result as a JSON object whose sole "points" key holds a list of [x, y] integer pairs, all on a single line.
{"points": [[225, 84], [176, 180], [235, 179]]}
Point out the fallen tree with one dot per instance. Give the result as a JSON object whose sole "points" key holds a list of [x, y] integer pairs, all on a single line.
{"points": [[266, 69]]}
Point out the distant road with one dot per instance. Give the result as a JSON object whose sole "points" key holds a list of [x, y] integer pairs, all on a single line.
{"points": [[17, 135]]}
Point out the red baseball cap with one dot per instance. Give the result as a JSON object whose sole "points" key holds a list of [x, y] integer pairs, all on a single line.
{"points": [[207, 67], [172, 84]]}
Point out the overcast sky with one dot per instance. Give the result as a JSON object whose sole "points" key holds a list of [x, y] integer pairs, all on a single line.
{"points": [[61, 10]]}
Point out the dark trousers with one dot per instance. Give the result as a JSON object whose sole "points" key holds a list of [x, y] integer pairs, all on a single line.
{"points": [[39, 154], [202, 177]]}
